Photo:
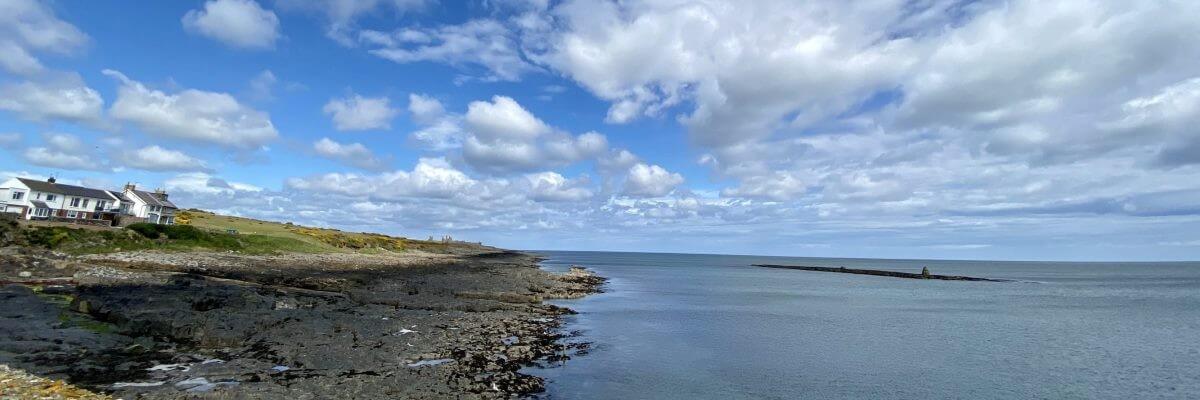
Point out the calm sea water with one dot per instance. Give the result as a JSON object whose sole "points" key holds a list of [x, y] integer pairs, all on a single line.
{"points": [[678, 326]]}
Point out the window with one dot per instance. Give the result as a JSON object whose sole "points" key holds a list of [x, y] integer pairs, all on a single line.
{"points": [[41, 212], [50, 197], [39, 196], [100, 204], [75, 203], [18, 195], [72, 214], [85, 201]]}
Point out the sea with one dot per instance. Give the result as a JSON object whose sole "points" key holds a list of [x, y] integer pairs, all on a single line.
{"points": [[690, 326]]}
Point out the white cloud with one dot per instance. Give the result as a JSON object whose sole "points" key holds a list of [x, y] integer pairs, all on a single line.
{"points": [[480, 43], [650, 181], [551, 186], [156, 158], [425, 109], [238, 23], [780, 186], [200, 183], [355, 154], [358, 113], [64, 151], [191, 114], [62, 97], [746, 66], [503, 119], [502, 136], [28, 26], [341, 15], [431, 177]]}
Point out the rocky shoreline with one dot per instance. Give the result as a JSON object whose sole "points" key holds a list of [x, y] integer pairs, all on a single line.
{"points": [[224, 325]]}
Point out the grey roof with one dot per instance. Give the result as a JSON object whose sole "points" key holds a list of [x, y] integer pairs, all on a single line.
{"points": [[154, 199], [39, 204], [68, 190], [119, 196]]}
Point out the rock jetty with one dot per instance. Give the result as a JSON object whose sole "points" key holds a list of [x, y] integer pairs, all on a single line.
{"points": [[876, 272]]}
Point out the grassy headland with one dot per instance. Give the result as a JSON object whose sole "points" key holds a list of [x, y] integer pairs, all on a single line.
{"points": [[199, 230]]}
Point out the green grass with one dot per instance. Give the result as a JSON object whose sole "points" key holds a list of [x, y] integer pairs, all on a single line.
{"points": [[247, 227], [205, 231]]}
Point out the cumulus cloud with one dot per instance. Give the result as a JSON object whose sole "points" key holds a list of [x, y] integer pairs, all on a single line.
{"points": [[551, 186], [501, 136], [156, 158], [28, 27], [66, 151], [439, 130], [237, 23], [209, 117], [503, 119], [59, 97], [650, 181], [425, 109], [507, 137], [355, 154], [431, 177], [358, 113]]}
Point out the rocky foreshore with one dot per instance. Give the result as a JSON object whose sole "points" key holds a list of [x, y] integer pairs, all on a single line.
{"points": [[224, 325]]}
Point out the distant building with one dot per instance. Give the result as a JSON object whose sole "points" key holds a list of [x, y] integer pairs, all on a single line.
{"points": [[153, 206], [50, 200]]}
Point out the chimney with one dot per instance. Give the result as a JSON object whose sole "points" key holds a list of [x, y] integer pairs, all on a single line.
{"points": [[130, 186], [51, 180], [160, 193]]}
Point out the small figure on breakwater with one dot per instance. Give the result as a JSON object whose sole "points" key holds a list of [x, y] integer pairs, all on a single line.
{"points": [[925, 272]]}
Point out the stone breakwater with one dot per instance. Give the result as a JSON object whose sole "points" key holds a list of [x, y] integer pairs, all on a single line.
{"points": [[186, 325], [876, 272]]}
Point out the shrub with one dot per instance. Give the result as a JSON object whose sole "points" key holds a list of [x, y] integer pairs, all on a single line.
{"points": [[184, 232], [148, 230]]}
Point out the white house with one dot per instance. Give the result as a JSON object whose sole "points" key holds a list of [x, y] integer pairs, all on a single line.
{"points": [[153, 206], [36, 199]]}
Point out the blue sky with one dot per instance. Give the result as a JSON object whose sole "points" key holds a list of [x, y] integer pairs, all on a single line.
{"points": [[937, 129]]}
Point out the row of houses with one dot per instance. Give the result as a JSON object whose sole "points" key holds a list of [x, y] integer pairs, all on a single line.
{"points": [[35, 199]]}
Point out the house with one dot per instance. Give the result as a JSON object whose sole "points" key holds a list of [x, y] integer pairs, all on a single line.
{"points": [[48, 199], [154, 207]]}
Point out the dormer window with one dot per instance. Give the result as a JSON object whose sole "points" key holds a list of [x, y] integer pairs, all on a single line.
{"points": [[18, 195]]}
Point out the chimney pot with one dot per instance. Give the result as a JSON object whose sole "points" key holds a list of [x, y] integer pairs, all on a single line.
{"points": [[51, 180]]}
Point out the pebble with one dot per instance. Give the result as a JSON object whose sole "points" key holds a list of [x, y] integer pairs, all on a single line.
{"points": [[430, 363]]}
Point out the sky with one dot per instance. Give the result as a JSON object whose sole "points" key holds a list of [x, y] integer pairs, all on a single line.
{"points": [[984, 129]]}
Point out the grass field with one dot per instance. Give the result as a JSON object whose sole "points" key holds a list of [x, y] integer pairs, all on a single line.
{"points": [[279, 234], [198, 230]]}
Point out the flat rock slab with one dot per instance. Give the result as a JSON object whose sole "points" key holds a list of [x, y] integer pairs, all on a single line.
{"points": [[877, 272]]}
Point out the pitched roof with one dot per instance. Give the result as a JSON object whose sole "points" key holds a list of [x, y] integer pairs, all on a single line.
{"points": [[67, 190], [153, 199], [118, 195]]}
